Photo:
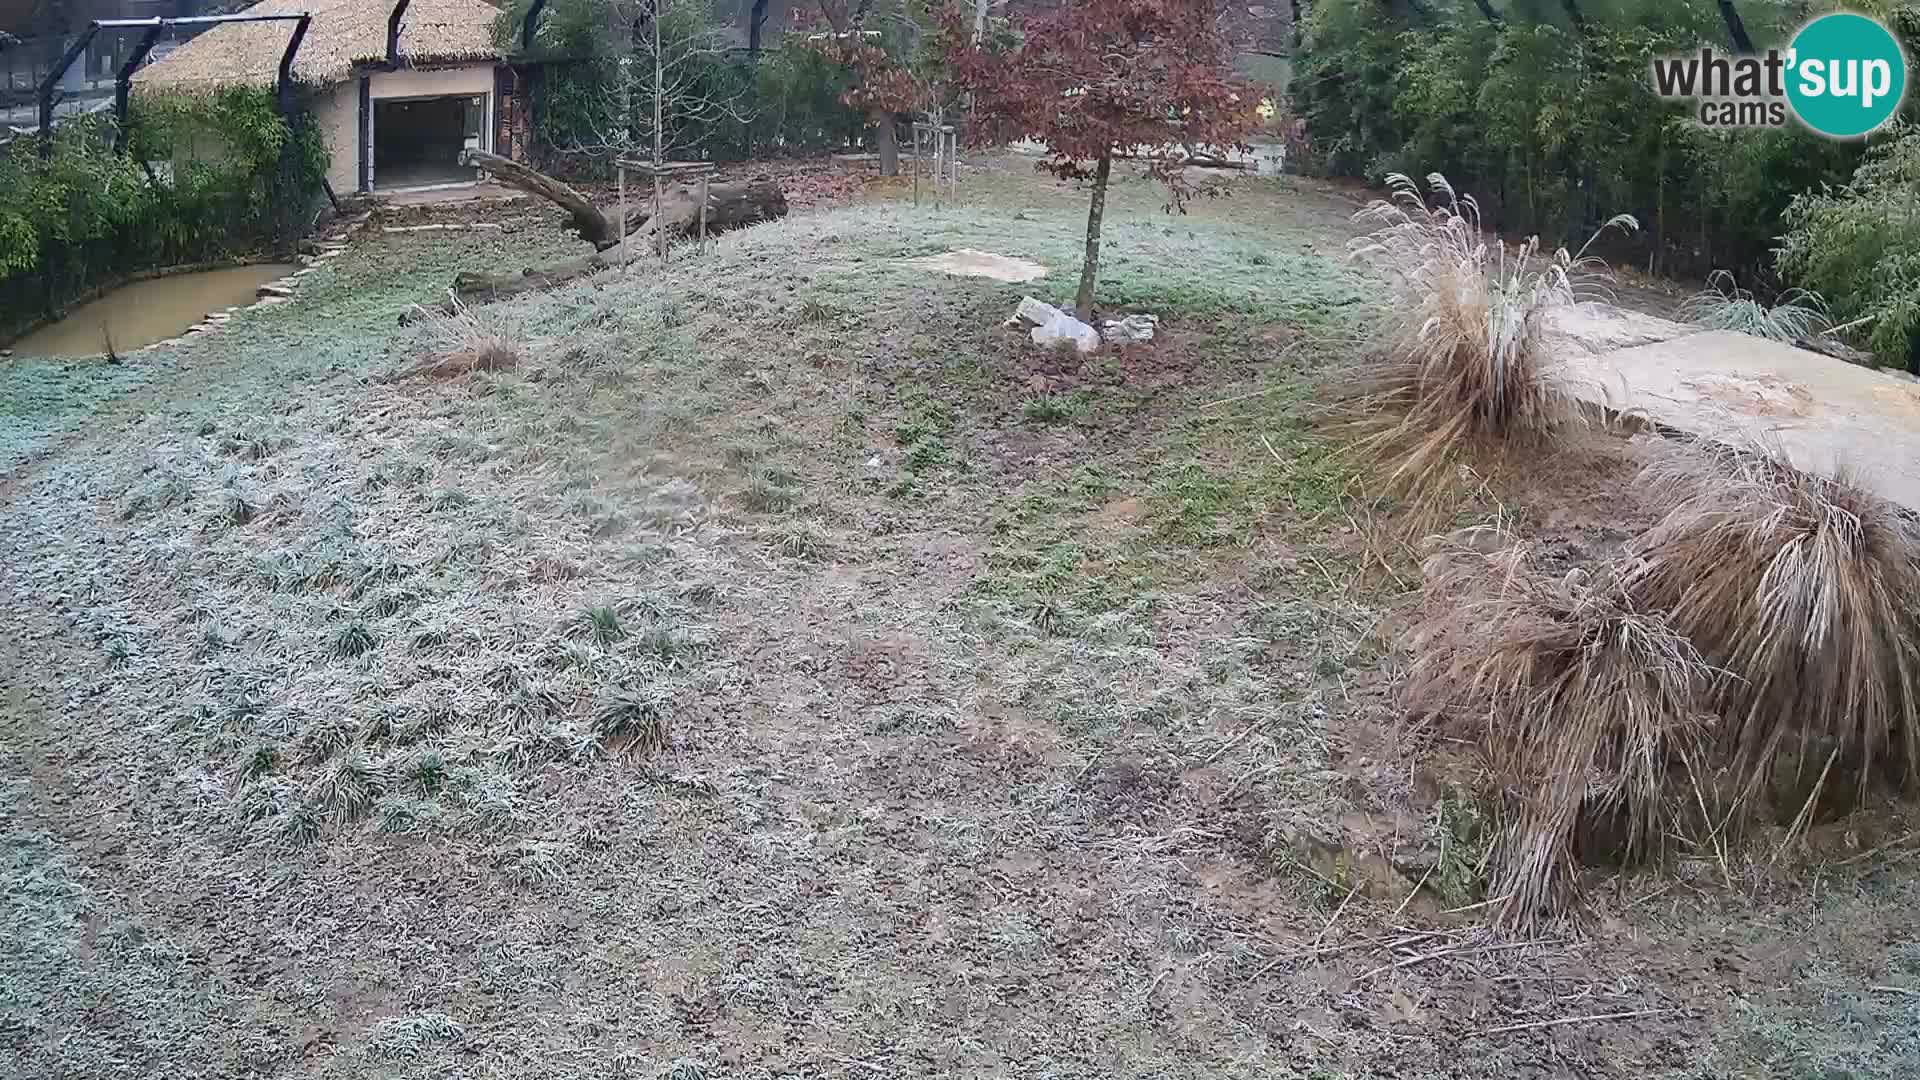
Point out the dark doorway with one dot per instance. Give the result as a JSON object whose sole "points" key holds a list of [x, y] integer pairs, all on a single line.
{"points": [[418, 140]]}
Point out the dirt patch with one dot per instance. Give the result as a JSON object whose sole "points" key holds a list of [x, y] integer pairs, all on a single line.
{"points": [[1902, 399], [968, 262], [1754, 395]]}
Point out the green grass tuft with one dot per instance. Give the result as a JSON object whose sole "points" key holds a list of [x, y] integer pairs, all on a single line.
{"points": [[633, 720], [601, 625], [351, 640]]}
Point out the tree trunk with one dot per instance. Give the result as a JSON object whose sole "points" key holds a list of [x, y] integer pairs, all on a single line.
{"points": [[979, 19], [1486, 9], [470, 289], [887, 142], [1736, 29], [756, 22], [1576, 17], [729, 206], [589, 222], [1090, 269]]}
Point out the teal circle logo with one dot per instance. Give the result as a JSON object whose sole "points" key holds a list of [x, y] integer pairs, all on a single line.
{"points": [[1846, 75]]}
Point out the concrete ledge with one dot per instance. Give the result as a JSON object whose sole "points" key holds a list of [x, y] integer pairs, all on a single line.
{"points": [[1823, 415]]}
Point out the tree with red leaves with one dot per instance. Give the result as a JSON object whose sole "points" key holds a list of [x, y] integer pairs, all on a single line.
{"points": [[1093, 78], [884, 83]]}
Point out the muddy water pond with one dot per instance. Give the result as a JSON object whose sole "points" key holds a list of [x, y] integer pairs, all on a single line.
{"points": [[144, 312]]}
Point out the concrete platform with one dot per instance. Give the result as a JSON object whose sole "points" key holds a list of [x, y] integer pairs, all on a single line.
{"points": [[1823, 414]]}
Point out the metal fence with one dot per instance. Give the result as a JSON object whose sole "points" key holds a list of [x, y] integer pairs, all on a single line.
{"points": [[24, 63]]}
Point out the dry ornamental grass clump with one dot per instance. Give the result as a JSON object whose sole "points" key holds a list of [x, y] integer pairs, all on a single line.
{"points": [[461, 341], [1461, 365], [1586, 706], [1806, 591]]}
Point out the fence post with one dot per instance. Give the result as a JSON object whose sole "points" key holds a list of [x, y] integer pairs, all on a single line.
{"points": [[53, 79], [123, 83]]}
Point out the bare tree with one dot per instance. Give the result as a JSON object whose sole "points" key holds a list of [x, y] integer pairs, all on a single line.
{"points": [[656, 98]]}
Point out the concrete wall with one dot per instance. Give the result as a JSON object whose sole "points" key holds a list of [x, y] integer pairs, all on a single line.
{"points": [[465, 81], [337, 111]]}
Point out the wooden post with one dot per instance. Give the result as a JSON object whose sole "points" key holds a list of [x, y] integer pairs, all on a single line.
{"points": [[688, 170]]}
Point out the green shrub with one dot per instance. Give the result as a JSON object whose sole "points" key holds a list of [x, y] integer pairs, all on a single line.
{"points": [[84, 215], [724, 104], [1555, 127], [1859, 246]]}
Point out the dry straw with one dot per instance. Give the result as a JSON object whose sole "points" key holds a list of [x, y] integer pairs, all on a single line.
{"points": [[1586, 704], [1806, 590], [344, 34]]}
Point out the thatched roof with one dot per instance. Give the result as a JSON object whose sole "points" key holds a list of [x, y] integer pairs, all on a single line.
{"points": [[344, 33]]}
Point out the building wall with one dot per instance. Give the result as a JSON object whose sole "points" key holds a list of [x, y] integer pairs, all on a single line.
{"points": [[337, 111], [465, 81]]}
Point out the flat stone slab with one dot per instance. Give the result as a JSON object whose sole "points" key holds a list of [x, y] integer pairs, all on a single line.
{"points": [[967, 262], [1824, 415], [1594, 326]]}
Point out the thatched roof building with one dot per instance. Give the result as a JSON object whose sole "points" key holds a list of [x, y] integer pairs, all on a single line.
{"points": [[387, 123], [345, 34]]}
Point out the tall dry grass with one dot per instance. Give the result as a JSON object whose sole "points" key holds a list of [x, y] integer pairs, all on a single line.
{"points": [[1461, 366], [459, 340], [1587, 708], [1806, 591]]}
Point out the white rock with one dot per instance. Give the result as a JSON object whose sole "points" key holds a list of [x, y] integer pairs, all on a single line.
{"points": [[1038, 312], [1129, 330], [1053, 326]]}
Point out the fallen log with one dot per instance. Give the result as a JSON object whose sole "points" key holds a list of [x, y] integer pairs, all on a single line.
{"points": [[588, 221], [728, 205], [470, 288]]}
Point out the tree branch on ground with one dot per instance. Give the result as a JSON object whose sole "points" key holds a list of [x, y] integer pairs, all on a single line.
{"points": [[729, 206]]}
